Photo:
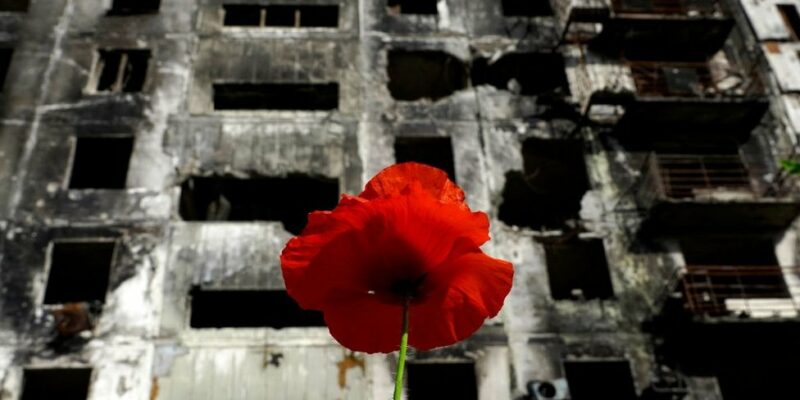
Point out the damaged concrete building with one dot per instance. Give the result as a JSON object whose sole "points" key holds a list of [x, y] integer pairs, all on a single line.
{"points": [[155, 156]]}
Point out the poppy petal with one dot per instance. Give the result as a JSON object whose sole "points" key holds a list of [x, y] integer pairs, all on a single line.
{"points": [[362, 323], [409, 233], [462, 293], [396, 178], [367, 246]]}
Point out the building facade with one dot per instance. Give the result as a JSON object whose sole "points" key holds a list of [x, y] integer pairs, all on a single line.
{"points": [[155, 156]]}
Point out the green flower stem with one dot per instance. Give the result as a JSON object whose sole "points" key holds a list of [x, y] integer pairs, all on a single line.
{"points": [[401, 360]]}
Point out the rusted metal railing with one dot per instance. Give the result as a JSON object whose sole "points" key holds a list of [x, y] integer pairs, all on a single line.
{"points": [[685, 7], [755, 291], [681, 176], [684, 176], [694, 79]]}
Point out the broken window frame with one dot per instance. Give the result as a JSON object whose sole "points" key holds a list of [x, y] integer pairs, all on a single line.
{"points": [[118, 86], [49, 265], [67, 182], [263, 10]]}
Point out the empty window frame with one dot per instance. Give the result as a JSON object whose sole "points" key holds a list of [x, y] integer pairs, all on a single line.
{"points": [[554, 179], [420, 7], [525, 73], [235, 309], [526, 8], [5, 62], [415, 75], [434, 151], [121, 70], [590, 380], [79, 271], [282, 16], [276, 96], [14, 5], [578, 270], [60, 383], [791, 19], [134, 7], [434, 381], [101, 162], [288, 200]]}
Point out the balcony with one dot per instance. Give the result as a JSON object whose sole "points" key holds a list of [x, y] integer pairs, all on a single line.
{"points": [[669, 99], [684, 194], [741, 291], [735, 324], [695, 29]]}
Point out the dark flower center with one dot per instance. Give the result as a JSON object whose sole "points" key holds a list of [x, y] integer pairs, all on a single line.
{"points": [[407, 288]]}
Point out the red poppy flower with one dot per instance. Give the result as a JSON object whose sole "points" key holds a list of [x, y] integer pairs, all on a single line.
{"points": [[409, 235]]}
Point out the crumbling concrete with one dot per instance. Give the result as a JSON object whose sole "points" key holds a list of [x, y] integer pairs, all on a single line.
{"points": [[141, 344]]}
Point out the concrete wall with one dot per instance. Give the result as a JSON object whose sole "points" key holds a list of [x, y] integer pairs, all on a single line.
{"points": [[142, 345]]}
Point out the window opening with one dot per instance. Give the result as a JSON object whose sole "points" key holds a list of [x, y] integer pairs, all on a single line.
{"points": [[122, 70], [288, 200], [434, 151], [249, 309], [79, 272], [523, 73], [791, 19], [134, 7], [420, 7], [276, 96], [284, 16], [589, 380], [101, 162], [578, 269], [5, 62], [415, 75], [63, 383], [554, 179], [425, 381], [14, 5], [527, 8]]}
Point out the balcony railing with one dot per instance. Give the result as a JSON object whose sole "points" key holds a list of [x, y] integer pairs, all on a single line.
{"points": [[670, 7], [685, 176], [753, 291], [693, 79]]}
